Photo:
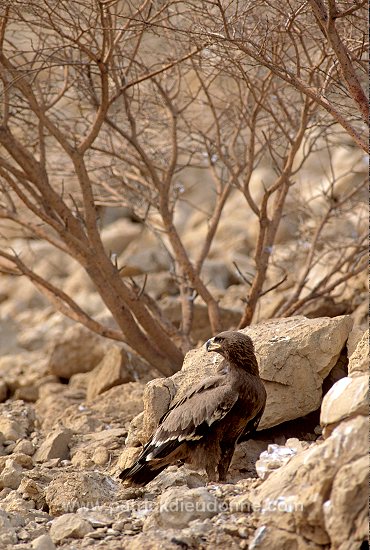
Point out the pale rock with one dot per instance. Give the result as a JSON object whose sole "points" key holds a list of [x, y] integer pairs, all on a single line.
{"points": [[348, 397], [53, 402], [112, 409], [40, 328], [266, 537], [72, 490], [120, 404], [133, 438], [106, 440], [359, 359], [144, 255], [28, 393], [78, 350], [17, 419], [23, 373], [82, 460], [294, 354], [155, 540], [31, 489], [240, 503], [100, 456], [43, 542], [128, 457], [25, 446], [356, 334], [79, 381], [9, 328], [275, 457], [346, 517], [176, 477], [56, 445], [7, 531], [11, 475], [158, 285], [14, 503], [119, 234], [96, 518], [157, 397], [24, 460], [115, 369], [69, 526], [293, 498], [11, 429], [179, 506]]}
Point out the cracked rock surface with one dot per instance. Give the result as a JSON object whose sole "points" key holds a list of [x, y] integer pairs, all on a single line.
{"points": [[62, 447]]}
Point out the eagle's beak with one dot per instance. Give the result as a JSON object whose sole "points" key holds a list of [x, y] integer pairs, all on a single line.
{"points": [[211, 345]]}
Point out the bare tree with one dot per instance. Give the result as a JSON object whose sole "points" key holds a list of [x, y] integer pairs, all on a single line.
{"points": [[111, 103], [315, 47]]}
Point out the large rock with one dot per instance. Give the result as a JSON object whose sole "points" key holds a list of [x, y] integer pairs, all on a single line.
{"points": [[78, 350], [56, 445], [179, 506], [69, 526], [119, 234], [43, 542], [11, 475], [345, 520], [319, 498], [17, 419], [295, 355], [72, 490], [23, 373], [7, 531], [116, 368], [348, 397], [359, 359], [53, 402]]}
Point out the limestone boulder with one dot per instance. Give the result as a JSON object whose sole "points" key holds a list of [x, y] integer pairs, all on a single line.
{"points": [[56, 445], [78, 350], [179, 506], [43, 542], [118, 235], [319, 498], [295, 355], [11, 475], [345, 519], [348, 397], [23, 374], [53, 402], [17, 419], [69, 526], [7, 532], [359, 359], [72, 490], [144, 255], [117, 367]]}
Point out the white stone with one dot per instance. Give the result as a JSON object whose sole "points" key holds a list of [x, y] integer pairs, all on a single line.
{"points": [[69, 526]]}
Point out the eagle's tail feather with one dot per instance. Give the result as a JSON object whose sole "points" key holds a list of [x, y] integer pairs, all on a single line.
{"points": [[141, 473]]}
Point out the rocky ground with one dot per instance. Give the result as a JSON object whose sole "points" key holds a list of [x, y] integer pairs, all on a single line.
{"points": [[75, 408]]}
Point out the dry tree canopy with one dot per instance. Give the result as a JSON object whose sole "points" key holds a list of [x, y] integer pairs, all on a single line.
{"points": [[189, 115]]}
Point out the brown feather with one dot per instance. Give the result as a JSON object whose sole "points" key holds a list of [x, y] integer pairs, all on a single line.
{"points": [[203, 427]]}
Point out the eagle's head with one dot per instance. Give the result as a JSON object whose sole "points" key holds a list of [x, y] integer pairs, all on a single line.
{"points": [[234, 346]]}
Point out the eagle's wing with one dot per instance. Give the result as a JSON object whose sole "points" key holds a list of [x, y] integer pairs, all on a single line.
{"points": [[189, 419]]}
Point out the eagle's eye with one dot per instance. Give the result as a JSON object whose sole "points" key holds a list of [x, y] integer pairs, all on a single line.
{"points": [[218, 339]]}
